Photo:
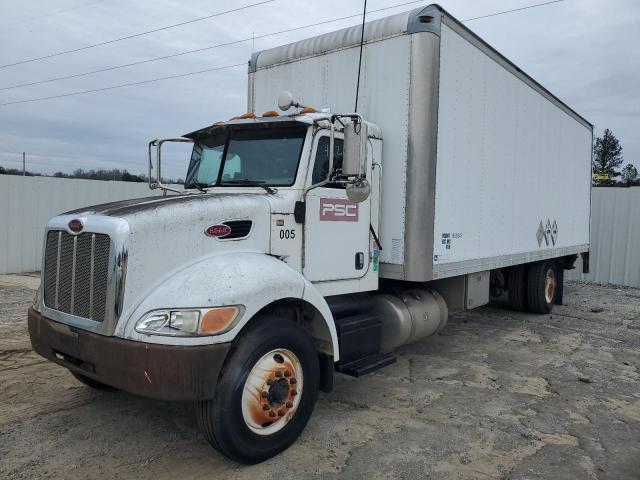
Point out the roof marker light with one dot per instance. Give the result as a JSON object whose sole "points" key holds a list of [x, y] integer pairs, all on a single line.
{"points": [[244, 116]]}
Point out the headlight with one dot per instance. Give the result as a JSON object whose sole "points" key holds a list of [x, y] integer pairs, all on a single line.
{"points": [[189, 323]]}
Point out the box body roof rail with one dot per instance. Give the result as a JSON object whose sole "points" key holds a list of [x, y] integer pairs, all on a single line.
{"points": [[426, 19]]}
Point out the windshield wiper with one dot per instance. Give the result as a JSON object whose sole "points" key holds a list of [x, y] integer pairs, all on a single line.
{"points": [[251, 183], [200, 186]]}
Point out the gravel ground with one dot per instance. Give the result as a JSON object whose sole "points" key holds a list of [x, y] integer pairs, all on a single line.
{"points": [[498, 394]]}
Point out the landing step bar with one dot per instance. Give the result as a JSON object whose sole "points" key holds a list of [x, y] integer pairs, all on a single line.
{"points": [[368, 364]]}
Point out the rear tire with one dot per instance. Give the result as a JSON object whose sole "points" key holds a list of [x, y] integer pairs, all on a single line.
{"points": [[517, 287], [90, 382], [265, 394], [542, 286]]}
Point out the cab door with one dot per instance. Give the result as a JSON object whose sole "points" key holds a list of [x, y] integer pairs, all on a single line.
{"points": [[336, 230]]}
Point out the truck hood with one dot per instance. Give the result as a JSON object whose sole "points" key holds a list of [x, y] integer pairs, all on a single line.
{"points": [[137, 206], [168, 234]]}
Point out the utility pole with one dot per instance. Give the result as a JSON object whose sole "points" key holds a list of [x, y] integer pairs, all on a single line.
{"points": [[24, 169]]}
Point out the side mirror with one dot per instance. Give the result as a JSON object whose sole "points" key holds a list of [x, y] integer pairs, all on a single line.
{"points": [[355, 149], [354, 161], [358, 190]]}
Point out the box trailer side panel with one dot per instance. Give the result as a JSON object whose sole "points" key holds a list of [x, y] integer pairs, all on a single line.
{"points": [[475, 151], [513, 168]]}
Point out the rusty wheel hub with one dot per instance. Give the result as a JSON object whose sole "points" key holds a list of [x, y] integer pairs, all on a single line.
{"points": [[550, 286], [272, 392]]}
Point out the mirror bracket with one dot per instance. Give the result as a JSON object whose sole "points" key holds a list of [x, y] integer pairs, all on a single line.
{"points": [[157, 182], [354, 159]]}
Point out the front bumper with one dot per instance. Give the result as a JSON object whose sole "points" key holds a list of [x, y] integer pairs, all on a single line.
{"points": [[165, 372]]}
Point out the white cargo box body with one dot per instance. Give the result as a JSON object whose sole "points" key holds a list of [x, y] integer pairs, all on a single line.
{"points": [[483, 167]]}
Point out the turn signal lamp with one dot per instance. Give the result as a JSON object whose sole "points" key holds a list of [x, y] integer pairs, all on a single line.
{"points": [[308, 110], [270, 113], [243, 116], [217, 320]]}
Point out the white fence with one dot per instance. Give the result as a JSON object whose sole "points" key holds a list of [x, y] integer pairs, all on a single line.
{"points": [[27, 203], [615, 238]]}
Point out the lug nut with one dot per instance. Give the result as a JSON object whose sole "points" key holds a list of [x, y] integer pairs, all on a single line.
{"points": [[293, 381], [294, 393], [287, 373], [278, 374], [280, 413], [269, 382], [289, 405], [264, 394], [272, 413], [265, 407]]}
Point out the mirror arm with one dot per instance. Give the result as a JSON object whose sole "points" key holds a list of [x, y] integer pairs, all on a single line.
{"points": [[152, 143], [358, 121], [332, 141], [158, 180], [361, 177]]}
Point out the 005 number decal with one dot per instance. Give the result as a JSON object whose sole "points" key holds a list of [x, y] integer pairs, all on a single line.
{"points": [[286, 234]]}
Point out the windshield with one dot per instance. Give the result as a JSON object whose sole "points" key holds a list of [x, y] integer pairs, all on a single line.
{"points": [[268, 156]]}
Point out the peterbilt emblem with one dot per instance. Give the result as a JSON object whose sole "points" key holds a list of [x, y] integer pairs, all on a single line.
{"points": [[338, 210], [217, 230], [75, 225]]}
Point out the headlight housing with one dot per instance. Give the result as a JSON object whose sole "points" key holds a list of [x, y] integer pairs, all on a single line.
{"points": [[191, 322]]}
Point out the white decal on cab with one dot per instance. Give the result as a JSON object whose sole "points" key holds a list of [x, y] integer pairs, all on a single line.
{"points": [[338, 210]]}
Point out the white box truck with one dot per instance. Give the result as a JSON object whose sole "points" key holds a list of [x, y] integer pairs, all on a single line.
{"points": [[321, 237]]}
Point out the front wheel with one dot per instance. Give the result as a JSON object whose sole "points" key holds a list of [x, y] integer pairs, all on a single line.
{"points": [[265, 394]]}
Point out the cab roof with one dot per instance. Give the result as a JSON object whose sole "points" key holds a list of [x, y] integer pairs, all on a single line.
{"points": [[305, 119]]}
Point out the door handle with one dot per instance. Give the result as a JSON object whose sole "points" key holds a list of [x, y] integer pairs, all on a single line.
{"points": [[359, 261]]}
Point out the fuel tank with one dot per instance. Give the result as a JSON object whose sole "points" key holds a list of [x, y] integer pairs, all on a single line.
{"points": [[409, 315]]}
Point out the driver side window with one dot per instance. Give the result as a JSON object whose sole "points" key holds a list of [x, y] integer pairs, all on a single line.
{"points": [[210, 160], [321, 165]]}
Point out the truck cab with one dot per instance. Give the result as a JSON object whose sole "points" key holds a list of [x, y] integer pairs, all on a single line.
{"points": [[222, 288], [283, 162]]}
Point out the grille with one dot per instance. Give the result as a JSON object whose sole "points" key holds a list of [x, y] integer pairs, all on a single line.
{"points": [[239, 229], [75, 273]]}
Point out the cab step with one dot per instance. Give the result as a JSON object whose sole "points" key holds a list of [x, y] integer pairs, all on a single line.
{"points": [[359, 338], [362, 366]]}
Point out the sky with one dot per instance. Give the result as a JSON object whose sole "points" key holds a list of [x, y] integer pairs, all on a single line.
{"points": [[586, 52]]}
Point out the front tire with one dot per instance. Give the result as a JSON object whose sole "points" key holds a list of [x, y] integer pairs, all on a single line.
{"points": [[265, 394], [542, 286]]}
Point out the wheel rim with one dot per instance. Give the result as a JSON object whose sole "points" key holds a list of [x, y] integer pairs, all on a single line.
{"points": [[272, 392], [550, 286]]}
